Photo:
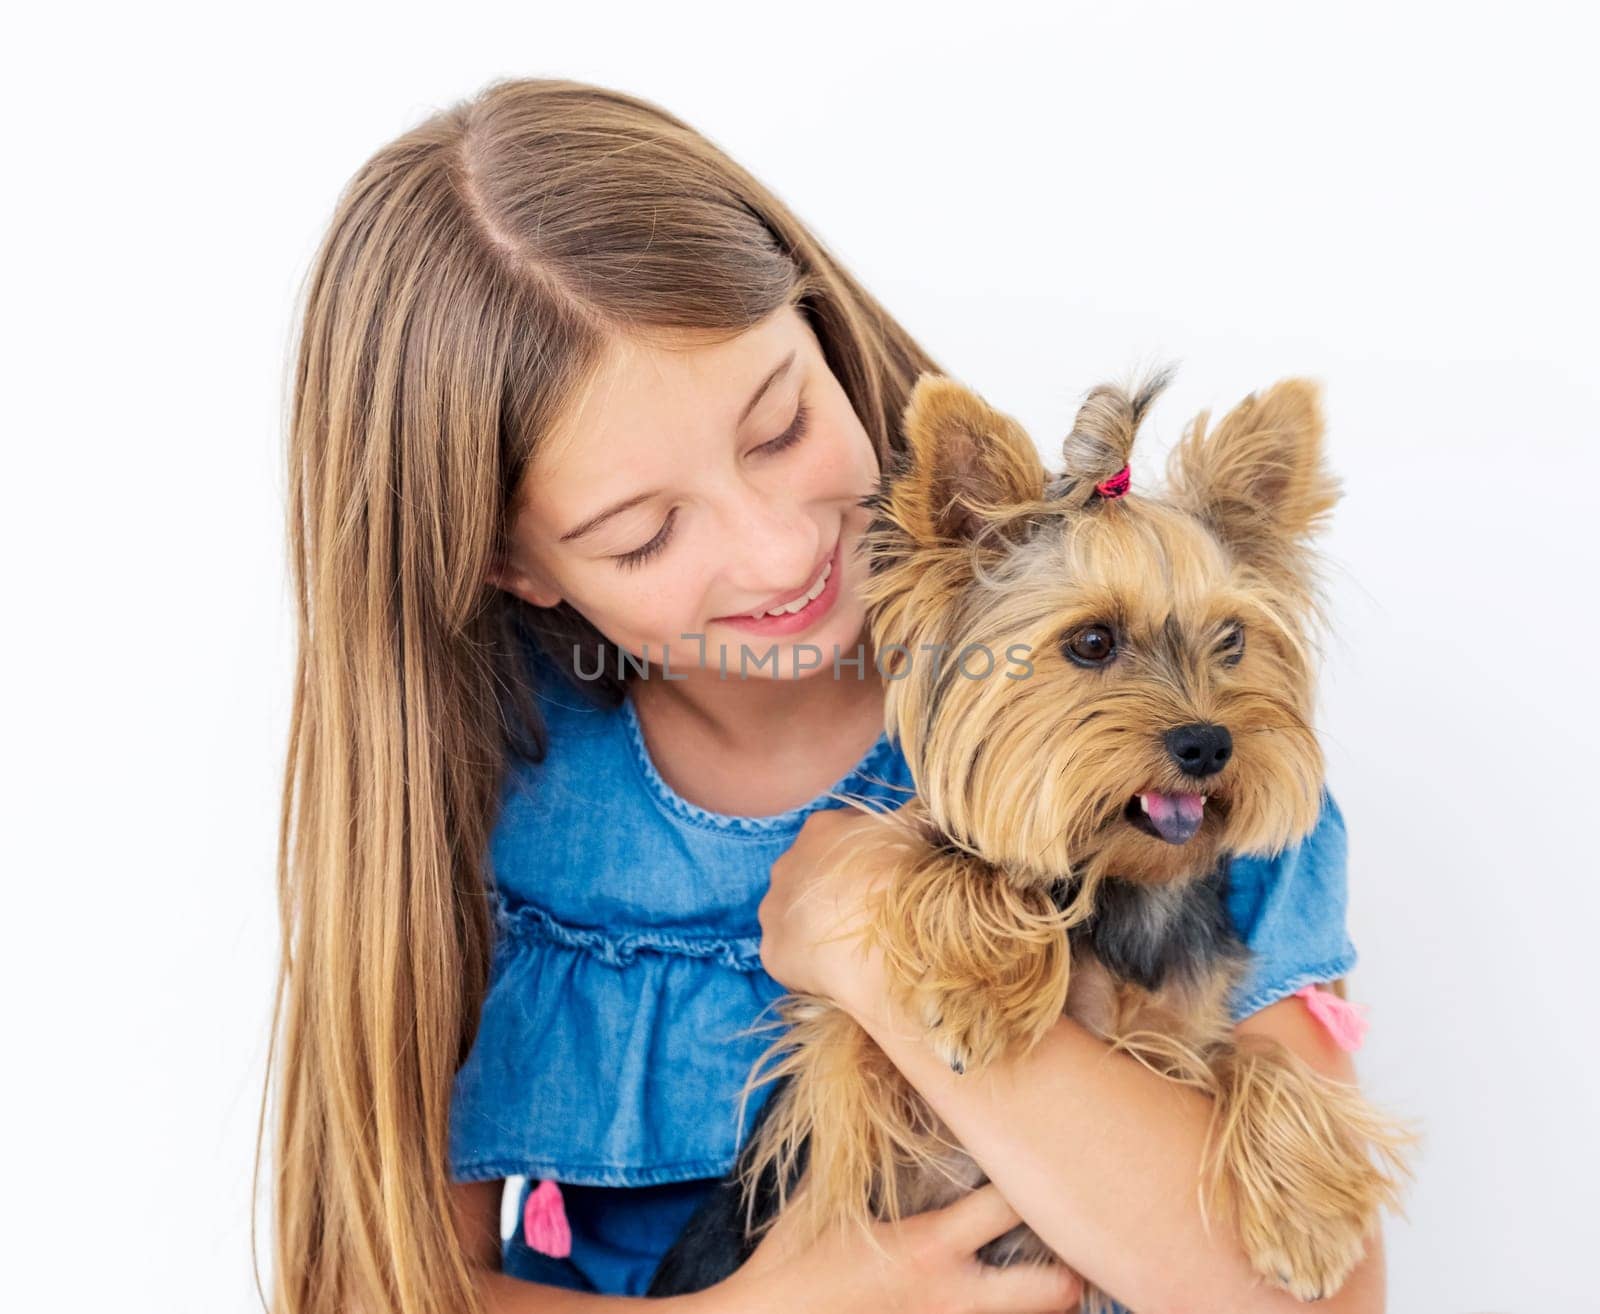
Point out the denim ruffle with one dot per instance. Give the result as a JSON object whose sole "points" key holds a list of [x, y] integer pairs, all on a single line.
{"points": [[622, 949], [609, 1059]]}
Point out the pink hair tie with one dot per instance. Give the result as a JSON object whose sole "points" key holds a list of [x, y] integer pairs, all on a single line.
{"points": [[544, 1222], [1115, 486], [1341, 1019]]}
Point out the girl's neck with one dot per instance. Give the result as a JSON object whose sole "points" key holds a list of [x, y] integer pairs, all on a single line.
{"points": [[761, 715]]}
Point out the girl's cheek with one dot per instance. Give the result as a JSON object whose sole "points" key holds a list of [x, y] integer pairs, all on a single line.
{"points": [[834, 461], [678, 604], [628, 613], [848, 466]]}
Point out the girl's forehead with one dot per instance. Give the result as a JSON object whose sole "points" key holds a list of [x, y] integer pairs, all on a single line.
{"points": [[647, 388]]}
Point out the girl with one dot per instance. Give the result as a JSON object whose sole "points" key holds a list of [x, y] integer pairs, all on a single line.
{"points": [[578, 407]]}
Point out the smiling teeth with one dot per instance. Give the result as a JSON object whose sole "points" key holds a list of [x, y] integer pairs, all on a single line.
{"points": [[804, 600]]}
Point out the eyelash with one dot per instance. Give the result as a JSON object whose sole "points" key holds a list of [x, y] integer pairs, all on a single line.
{"points": [[785, 440], [793, 434]]}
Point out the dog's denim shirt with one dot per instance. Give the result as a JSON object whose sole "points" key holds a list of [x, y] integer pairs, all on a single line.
{"points": [[626, 960]]}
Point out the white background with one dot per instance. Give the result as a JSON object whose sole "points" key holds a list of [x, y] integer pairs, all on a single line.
{"points": [[1398, 199]]}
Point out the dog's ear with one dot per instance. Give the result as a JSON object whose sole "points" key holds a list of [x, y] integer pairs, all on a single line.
{"points": [[965, 464], [1259, 479]]}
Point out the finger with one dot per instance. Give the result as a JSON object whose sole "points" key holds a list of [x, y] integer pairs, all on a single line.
{"points": [[977, 1218], [1026, 1289]]}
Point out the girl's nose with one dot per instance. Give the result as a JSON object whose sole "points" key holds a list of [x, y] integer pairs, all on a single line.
{"points": [[773, 549]]}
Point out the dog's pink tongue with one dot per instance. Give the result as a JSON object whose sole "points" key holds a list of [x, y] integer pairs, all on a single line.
{"points": [[1176, 816]]}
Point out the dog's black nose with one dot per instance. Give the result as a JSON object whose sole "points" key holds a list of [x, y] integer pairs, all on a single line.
{"points": [[1200, 749]]}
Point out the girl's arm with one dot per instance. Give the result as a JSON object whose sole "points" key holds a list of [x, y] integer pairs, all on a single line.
{"points": [[917, 1266], [1101, 1156]]}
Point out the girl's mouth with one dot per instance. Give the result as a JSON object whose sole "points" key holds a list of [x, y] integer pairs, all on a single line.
{"points": [[815, 603]]}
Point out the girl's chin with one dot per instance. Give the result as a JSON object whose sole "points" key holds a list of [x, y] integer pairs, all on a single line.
{"points": [[715, 646], [788, 657]]}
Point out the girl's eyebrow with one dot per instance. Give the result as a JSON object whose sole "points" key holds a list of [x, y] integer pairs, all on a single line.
{"points": [[595, 521], [760, 392]]}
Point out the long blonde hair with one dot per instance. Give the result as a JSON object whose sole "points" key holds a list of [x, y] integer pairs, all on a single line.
{"points": [[474, 271]]}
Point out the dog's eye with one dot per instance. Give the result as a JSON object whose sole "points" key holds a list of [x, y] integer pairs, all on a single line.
{"points": [[1093, 645], [1231, 645]]}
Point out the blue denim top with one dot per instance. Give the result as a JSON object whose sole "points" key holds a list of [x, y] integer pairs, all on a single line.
{"points": [[609, 1055]]}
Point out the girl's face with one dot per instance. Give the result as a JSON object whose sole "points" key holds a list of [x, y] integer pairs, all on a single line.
{"points": [[696, 486]]}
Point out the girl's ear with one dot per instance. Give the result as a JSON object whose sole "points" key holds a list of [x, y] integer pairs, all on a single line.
{"points": [[1258, 480], [534, 590], [964, 464]]}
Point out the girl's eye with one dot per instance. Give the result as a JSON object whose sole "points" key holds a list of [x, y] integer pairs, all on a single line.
{"points": [[642, 554], [788, 438], [1231, 646], [1093, 645], [793, 434]]}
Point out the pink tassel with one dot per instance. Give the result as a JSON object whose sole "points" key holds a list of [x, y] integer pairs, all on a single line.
{"points": [[544, 1222], [1343, 1020]]}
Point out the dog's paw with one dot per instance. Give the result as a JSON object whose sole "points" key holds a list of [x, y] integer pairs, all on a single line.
{"points": [[1306, 1228], [1308, 1257], [963, 1032], [1309, 1164]]}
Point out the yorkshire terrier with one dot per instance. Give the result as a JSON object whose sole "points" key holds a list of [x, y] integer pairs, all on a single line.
{"points": [[1126, 700]]}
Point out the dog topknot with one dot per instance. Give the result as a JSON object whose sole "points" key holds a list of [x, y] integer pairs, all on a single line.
{"points": [[1101, 440]]}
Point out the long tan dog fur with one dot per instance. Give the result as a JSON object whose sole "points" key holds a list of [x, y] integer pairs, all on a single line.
{"points": [[1211, 590]]}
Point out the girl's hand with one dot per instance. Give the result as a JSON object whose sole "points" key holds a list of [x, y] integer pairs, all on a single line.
{"points": [[928, 1265], [816, 906]]}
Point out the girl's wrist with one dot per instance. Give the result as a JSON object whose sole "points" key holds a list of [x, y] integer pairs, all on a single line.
{"points": [[864, 990], [747, 1290]]}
